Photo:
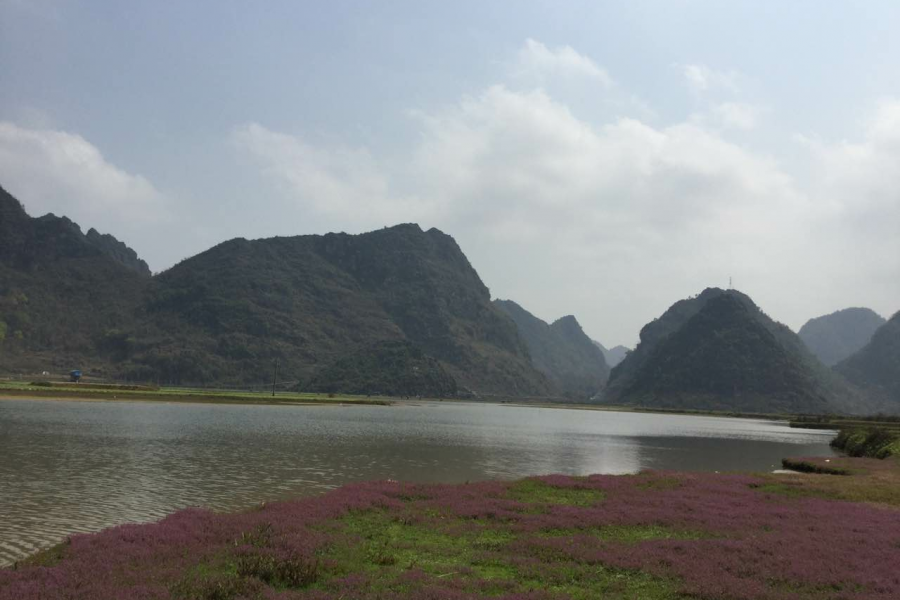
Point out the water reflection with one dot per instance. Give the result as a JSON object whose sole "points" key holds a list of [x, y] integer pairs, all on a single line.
{"points": [[75, 466]]}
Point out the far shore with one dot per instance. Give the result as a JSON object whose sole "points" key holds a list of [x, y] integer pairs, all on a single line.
{"points": [[16, 391], [13, 390]]}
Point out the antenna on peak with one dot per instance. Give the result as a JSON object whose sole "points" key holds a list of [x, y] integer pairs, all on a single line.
{"points": [[729, 283]]}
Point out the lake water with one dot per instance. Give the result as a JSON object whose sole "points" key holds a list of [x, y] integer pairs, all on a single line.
{"points": [[69, 467]]}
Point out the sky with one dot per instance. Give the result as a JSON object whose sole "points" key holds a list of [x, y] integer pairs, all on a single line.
{"points": [[601, 159]]}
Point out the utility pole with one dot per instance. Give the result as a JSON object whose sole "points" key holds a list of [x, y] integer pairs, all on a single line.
{"points": [[275, 378]]}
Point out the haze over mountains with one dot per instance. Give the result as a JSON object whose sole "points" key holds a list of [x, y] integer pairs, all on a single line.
{"points": [[561, 351], [834, 337], [613, 355], [397, 311]]}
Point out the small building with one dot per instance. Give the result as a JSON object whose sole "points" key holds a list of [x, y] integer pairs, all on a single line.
{"points": [[75, 376]]}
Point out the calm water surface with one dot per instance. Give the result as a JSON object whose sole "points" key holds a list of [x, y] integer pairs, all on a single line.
{"points": [[69, 467]]}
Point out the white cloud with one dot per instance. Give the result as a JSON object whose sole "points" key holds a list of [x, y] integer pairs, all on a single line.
{"points": [[536, 60], [702, 79], [338, 182], [519, 179], [621, 217], [60, 172], [736, 115]]}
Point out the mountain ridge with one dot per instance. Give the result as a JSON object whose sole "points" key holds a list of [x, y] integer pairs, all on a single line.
{"points": [[225, 315], [561, 350]]}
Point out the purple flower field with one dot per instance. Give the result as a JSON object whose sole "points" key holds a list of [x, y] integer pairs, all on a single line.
{"points": [[653, 535]]}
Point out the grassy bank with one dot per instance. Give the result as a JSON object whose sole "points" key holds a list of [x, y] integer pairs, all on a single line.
{"points": [[14, 389], [653, 535], [872, 442]]}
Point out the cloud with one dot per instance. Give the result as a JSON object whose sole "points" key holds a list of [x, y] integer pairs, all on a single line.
{"points": [[701, 79], [60, 172], [335, 182], [618, 217], [537, 61], [520, 179], [857, 186], [736, 115]]}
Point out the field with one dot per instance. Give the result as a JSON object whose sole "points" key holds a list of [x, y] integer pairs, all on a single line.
{"points": [[91, 391], [652, 535]]}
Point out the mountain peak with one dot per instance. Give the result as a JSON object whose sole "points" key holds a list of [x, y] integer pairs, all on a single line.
{"points": [[718, 351], [836, 336]]}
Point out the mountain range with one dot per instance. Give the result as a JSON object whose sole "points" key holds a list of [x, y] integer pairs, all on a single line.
{"points": [[399, 311], [333, 311]]}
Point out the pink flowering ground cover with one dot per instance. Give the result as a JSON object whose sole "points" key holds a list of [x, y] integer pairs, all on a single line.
{"points": [[652, 535]]}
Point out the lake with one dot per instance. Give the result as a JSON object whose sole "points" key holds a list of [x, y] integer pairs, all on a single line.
{"points": [[70, 467]]}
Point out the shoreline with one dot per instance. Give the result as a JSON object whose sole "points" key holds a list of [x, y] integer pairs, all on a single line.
{"points": [[187, 397], [218, 396]]}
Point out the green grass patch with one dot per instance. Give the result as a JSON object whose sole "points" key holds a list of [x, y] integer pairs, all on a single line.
{"points": [[376, 539], [806, 466], [476, 555], [630, 534], [589, 582], [535, 491]]}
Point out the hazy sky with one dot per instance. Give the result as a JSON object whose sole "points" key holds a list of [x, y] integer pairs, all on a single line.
{"points": [[591, 158]]}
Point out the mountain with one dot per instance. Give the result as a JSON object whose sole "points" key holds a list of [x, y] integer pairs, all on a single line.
{"points": [[392, 368], [384, 311], [561, 351], [312, 302], [61, 292], [614, 355], [718, 351], [876, 367], [834, 337]]}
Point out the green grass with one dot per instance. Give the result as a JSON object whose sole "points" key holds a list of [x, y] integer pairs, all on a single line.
{"points": [[534, 491], [385, 548], [633, 534], [181, 394]]}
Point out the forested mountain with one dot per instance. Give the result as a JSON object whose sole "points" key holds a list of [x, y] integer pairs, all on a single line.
{"points": [[65, 297], [876, 367], [834, 337], [561, 351], [225, 315], [613, 355], [719, 351], [319, 305]]}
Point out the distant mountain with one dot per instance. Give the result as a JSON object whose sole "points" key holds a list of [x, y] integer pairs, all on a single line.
{"points": [[718, 351], [561, 351], [614, 355], [876, 367], [385, 311], [834, 337], [62, 293]]}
